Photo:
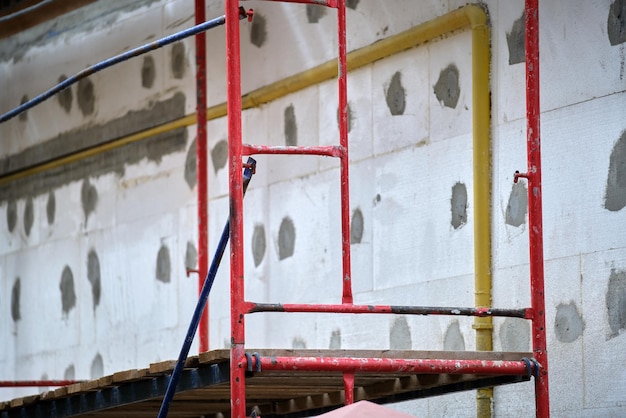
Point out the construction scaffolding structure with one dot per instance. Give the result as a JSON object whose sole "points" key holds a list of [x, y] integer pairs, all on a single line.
{"points": [[350, 367], [289, 383]]}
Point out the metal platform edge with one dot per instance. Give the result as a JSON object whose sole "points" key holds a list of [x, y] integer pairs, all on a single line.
{"points": [[140, 390]]}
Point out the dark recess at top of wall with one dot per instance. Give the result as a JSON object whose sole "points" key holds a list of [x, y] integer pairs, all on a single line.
{"points": [[63, 17], [26, 14]]}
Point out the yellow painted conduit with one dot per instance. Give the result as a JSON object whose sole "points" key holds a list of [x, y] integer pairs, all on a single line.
{"points": [[468, 17]]}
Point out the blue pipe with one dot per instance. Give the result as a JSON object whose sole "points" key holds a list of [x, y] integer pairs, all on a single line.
{"points": [[204, 295], [159, 43]]}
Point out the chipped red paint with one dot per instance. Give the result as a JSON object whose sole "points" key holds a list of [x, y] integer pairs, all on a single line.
{"points": [[348, 387], [391, 365], [535, 222], [328, 3], [345, 161], [329, 151], [384, 309], [349, 366], [201, 170], [235, 177]]}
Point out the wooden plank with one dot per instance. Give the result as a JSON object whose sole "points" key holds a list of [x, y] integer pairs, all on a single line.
{"points": [[25, 400], [17, 402], [278, 391], [167, 366], [90, 385], [162, 367], [130, 375], [74, 388], [60, 392], [49, 394], [214, 356]]}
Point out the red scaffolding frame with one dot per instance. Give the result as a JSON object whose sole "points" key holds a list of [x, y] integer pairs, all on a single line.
{"points": [[240, 361]]}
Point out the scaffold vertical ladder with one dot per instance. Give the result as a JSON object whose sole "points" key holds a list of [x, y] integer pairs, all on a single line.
{"points": [[240, 361]]}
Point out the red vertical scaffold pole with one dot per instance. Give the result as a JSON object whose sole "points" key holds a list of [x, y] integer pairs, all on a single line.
{"points": [[535, 223], [343, 142], [201, 164], [233, 74]]}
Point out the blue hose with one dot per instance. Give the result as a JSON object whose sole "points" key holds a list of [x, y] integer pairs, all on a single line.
{"points": [[204, 295], [159, 43]]}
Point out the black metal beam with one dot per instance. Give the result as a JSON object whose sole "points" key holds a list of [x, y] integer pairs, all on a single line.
{"points": [[123, 394]]}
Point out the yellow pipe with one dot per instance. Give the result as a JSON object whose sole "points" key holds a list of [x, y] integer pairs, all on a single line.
{"points": [[481, 123], [472, 17]]}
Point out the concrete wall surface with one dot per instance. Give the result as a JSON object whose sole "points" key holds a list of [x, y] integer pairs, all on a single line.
{"points": [[93, 253]]}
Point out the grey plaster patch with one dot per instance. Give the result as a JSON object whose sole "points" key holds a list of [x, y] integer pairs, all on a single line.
{"points": [[24, 115], [453, 339], [97, 367], [68, 294], [113, 161], [258, 30], [286, 238], [616, 22], [615, 196], [517, 207], [155, 150], [314, 12], [70, 373], [51, 207], [191, 256], [356, 226], [352, 4], [515, 40], [191, 168], [291, 127], [65, 97], [148, 72], [16, 290], [458, 206], [351, 117], [298, 343], [616, 302], [11, 214], [219, 155], [568, 323], [400, 335], [395, 95], [258, 244], [163, 265], [447, 89], [86, 96], [93, 275], [178, 61], [29, 216], [515, 335], [335, 340], [43, 389], [88, 198]]}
